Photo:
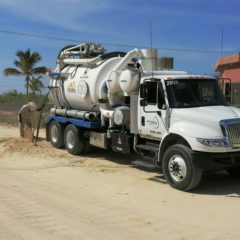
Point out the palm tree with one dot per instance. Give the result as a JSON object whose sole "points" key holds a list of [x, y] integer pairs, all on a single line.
{"points": [[26, 66], [35, 85]]}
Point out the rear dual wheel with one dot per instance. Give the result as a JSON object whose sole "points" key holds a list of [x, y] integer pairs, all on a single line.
{"points": [[56, 132], [71, 137], [74, 140]]}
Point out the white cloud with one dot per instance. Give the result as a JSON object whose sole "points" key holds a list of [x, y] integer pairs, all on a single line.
{"points": [[71, 14]]}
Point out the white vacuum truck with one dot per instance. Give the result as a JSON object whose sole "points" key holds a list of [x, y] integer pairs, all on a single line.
{"points": [[122, 101]]}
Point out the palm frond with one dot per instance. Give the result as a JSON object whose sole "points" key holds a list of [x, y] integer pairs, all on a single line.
{"points": [[28, 59], [35, 57], [39, 70], [17, 64], [21, 55], [12, 72]]}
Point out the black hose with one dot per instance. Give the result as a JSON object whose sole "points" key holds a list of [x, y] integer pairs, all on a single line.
{"points": [[66, 47], [40, 117], [112, 54]]}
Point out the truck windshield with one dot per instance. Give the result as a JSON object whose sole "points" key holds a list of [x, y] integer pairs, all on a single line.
{"points": [[188, 93]]}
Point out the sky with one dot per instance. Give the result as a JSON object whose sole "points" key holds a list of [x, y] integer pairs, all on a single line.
{"points": [[188, 30]]}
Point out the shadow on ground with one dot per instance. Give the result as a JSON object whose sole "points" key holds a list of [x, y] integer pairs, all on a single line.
{"points": [[118, 158], [219, 183], [216, 183]]}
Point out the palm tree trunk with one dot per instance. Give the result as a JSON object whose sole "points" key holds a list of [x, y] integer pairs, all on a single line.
{"points": [[27, 83]]}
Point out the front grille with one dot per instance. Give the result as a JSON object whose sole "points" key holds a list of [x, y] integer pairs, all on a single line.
{"points": [[231, 130]]}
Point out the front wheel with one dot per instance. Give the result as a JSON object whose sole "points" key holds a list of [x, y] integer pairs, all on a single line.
{"points": [[179, 168]]}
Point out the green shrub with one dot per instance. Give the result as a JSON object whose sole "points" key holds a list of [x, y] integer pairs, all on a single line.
{"points": [[16, 97]]}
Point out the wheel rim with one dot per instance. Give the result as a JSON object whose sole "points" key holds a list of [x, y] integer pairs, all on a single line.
{"points": [[70, 139], [177, 168], [54, 134]]}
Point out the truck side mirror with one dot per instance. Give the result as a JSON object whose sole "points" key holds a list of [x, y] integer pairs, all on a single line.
{"points": [[161, 97], [142, 90], [143, 95], [228, 92]]}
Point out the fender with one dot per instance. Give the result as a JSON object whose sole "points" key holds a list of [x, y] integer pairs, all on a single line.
{"points": [[190, 131], [170, 139]]}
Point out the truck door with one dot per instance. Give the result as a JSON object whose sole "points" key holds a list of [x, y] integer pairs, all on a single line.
{"points": [[152, 110]]}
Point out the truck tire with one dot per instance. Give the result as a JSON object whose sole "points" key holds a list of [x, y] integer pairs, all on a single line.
{"points": [[179, 168], [74, 140], [56, 134], [234, 172]]}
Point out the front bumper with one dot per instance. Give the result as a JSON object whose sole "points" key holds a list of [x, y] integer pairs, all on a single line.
{"points": [[217, 161]]}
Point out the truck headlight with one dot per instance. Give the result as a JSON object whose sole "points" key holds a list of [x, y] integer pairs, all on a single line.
{"points": [[214, 142]]}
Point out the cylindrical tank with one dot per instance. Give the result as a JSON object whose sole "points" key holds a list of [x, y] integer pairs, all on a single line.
{"points": [[98, 82], [80, 87], [129, 81]]}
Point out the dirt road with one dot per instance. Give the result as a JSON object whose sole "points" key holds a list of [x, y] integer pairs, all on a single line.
{"points": [[47, 194]]}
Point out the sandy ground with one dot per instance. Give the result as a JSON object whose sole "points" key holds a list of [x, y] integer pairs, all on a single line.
{"points": [[46, 193]]}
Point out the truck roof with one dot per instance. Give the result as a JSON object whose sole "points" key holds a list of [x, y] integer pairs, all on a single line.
{"points": [[171, 75]]}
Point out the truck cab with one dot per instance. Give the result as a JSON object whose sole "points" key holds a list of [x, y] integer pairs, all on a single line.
{"points": [[194, 125]]}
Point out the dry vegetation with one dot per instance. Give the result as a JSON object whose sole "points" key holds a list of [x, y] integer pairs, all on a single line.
{"points": [[10, 104]]}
